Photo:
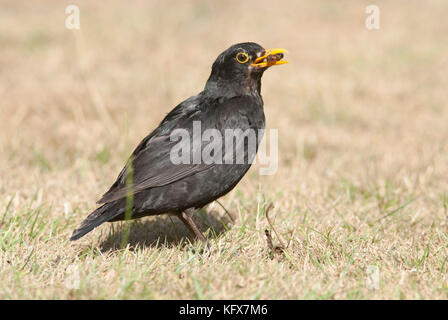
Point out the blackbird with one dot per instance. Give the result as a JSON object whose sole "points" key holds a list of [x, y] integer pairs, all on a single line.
{"points": [[166, 173]]}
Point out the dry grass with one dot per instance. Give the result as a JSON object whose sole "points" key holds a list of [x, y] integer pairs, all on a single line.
{"points": [[363, 166]]}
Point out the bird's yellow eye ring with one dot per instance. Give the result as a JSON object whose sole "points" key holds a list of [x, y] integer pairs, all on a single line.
{"points": [[242, 57]]}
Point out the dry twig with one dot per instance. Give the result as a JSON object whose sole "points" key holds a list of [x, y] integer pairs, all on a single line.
{"points": [[277, 249]]}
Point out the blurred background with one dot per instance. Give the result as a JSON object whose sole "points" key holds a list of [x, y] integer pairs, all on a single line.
{"points": [[362, 114]]}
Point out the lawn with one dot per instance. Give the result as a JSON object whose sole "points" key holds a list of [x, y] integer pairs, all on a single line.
{"points": [[360, 195]]}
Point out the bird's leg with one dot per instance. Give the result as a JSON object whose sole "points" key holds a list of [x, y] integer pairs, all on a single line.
{"points": [[185, 216]]}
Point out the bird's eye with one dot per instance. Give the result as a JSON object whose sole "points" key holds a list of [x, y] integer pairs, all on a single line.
{"points": [[242, 57]]}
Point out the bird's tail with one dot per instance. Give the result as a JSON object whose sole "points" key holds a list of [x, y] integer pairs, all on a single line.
{"points": [[104, 213]]}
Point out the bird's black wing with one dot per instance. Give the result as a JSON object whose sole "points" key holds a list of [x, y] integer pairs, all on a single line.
{"points": [[151, 162]]}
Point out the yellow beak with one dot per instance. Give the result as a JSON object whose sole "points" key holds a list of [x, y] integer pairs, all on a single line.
{"points": [[272, 57]]}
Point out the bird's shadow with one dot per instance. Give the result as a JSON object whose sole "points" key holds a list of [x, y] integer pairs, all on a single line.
{"points": [[163, 231]]}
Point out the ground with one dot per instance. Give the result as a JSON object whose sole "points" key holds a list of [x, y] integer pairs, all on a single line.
{"points": [[361, 191]]}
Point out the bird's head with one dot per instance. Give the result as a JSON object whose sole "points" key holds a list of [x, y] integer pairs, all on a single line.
{"points": [[239, 69]]}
